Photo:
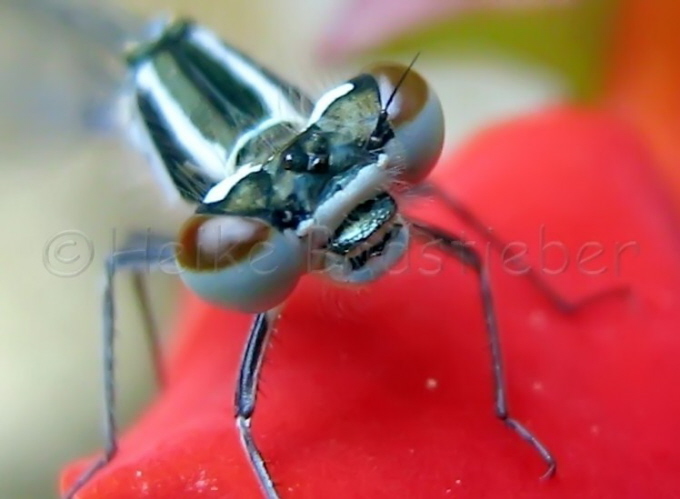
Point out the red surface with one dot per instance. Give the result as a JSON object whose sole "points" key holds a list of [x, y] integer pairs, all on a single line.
{"points": [[346, 408]]}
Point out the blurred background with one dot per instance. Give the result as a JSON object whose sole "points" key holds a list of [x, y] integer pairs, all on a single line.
{"points": [[65, 166]]}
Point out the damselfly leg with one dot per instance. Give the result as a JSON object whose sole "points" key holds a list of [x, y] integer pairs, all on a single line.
{"points": [[158, 253], [459, 249], [141, 255], [246, 395], [563, 304]]}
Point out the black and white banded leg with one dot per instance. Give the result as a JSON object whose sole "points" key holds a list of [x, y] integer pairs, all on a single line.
{"points": [[561, 303], [468, 256], [141, 255], [246, 394]]}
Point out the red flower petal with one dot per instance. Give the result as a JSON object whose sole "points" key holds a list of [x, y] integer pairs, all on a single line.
{"points": [[386, 391]]}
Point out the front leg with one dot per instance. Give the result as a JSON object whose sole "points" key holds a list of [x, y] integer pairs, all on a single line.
{"points": [[468, 256], [246, 395]]}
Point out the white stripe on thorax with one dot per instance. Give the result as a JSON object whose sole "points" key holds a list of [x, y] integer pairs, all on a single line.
{"points": [[210, 156], [220, 191], [271, 94], [327, 99]]}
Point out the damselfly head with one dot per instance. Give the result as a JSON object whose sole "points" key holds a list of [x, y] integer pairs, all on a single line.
{"points": [[328, 186]]}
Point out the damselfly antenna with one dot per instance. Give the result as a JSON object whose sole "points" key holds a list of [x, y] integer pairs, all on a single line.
{"points": [[383, 132], [383, 113], [410, 124]]}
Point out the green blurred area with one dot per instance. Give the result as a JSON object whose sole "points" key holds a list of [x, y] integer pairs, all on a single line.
{"points": [[571, 40]]}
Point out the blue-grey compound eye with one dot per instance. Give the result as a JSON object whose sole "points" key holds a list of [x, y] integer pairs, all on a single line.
{"points": [[241, 263], [416, 117]]}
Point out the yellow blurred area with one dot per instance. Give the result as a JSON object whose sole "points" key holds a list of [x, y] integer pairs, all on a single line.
{"points": [[57, 175]]}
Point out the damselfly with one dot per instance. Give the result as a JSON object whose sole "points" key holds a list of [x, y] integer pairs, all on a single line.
{"points": [[282, 186]]}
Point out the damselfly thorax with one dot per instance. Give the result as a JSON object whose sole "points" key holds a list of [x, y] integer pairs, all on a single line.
{"points": [[282, 186]]}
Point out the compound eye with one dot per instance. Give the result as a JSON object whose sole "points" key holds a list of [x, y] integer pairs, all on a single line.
{"points": [[416, 117], [241, 263]]}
